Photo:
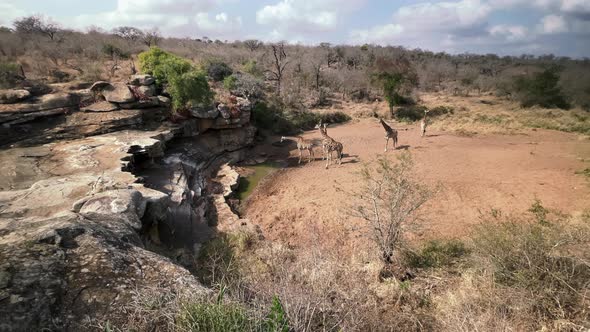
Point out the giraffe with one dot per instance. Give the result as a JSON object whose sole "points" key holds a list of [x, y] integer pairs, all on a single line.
{"points": [[302, 144], [390, 133], [423, 124], [329, 145]]}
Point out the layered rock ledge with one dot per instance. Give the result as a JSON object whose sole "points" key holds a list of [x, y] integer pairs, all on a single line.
{"points": [[85, 203]]}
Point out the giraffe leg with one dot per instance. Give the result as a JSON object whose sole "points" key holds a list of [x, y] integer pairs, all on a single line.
{"points": [[300, 155], [386, 143], [310, 155]]}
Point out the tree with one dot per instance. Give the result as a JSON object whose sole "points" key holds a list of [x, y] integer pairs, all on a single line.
{"points": [[541, 89], [395, 76], [253, 44], [151, 37], [388, 202], [37, 25], [130, 34], [279, 62]]}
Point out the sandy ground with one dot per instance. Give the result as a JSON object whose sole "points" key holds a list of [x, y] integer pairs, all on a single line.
{"points": [[308, 202]]}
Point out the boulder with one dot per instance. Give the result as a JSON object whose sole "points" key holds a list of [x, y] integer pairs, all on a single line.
{"points": [[147, 103], [118, 93], [142, 80], [147, 90], [224, 110], [128, 204], [101, 106], [13, 96], [164, 101], [204, 113], [244, 104], [99, 86]]}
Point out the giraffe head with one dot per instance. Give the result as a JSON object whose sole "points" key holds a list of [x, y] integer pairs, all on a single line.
{"points": [[283, 138], [319, 125]]}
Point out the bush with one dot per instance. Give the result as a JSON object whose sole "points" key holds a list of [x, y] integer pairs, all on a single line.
{"points": [[436, 253], [542, 89], [112, 51], [9, 74], [251, 67], [270, 117], [209, 317], [247, 86], [187, 86], [190, 89], [229, 83], [217, 71], [162, 65], [440, 110], [410, 113], [547, 261]]}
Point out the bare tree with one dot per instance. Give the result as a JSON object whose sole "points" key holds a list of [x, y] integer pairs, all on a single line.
{"points": [[37, 25], [388, 202], [279, 63], [151, 37], [253, 44], [131, 34]]}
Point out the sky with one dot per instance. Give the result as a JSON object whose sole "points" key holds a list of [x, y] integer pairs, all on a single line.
{"points": [[504, 27]]}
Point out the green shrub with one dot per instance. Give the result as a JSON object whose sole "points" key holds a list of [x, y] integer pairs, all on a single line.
{"points": [[217, 71], [541, 89], [190, 89], [410, 113], [440, 110], [218, 317], [229, 83], [187, 85], [270, 117], [162, 65], [251, 67], [276, 320], [436, 253], [9, 74]]}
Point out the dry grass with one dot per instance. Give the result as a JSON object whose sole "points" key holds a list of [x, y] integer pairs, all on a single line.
{"points": [[492, 115]]}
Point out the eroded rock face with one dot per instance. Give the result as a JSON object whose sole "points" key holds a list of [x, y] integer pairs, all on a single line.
{"points": [[13, 96], [204, 113], [85, 193]]}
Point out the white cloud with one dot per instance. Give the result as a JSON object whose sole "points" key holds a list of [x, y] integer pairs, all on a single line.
{"points": [[10, 12], [442, 15], [306, 16], [553, 24], [378, 34], [510, 33], [429, 25], [172, 17]]}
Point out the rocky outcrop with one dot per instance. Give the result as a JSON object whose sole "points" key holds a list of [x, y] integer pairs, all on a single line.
{"points": [[142, 80], [79, 217], [118, 93], [13, 96], [44, 106]]}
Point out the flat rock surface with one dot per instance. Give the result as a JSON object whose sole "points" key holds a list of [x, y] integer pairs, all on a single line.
{"points": [[101, 106]]}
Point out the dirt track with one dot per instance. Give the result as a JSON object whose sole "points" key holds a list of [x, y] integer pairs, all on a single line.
{"points": [[506, 172]]}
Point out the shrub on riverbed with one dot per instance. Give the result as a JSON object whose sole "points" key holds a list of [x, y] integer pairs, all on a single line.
{"points": [[271, 117]]}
